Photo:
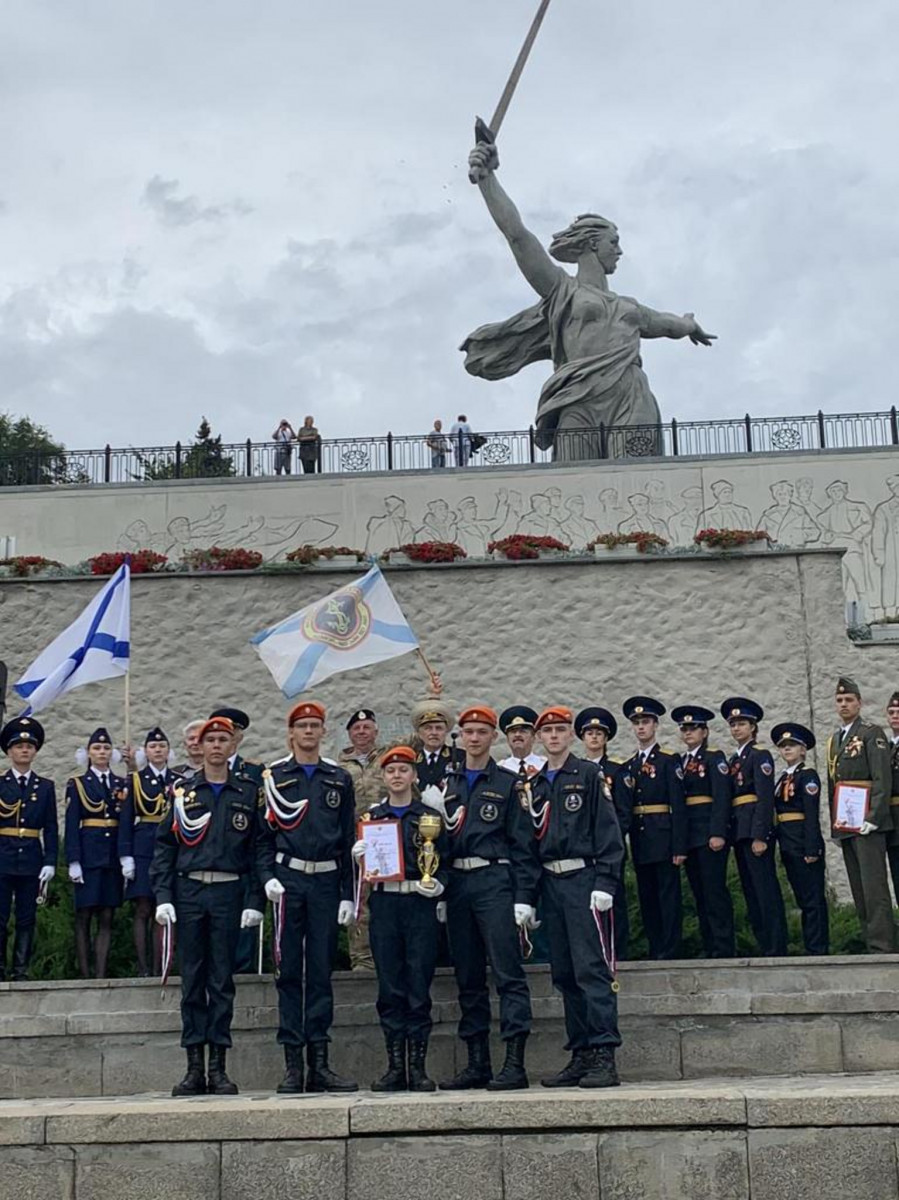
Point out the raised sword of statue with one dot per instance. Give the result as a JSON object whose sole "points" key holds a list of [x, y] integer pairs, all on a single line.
{"points": [[487, 133]]}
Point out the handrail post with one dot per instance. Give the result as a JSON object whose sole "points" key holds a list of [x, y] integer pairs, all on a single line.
{"points": [[894, 425], [107, 463], [249, 458], [822, 432], [747, 421], [532, 445], [177, 460], [674, 447], [389, 450], [603, 448]]}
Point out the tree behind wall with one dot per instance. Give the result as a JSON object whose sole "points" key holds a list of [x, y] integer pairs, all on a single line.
{"points": [[205, 459], [28, 454]]}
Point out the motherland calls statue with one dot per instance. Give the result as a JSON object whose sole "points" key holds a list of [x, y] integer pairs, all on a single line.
{"points": [[591, 334]]}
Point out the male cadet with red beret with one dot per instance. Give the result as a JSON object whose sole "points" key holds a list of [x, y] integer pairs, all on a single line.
{"points": [[797, 801], [205, 854], [658, 828], [752, 777], [518, 723], [432, 720], [305, 856], [596, 727], [580, 849], [708, 791], [493, 879], [27, 815]]}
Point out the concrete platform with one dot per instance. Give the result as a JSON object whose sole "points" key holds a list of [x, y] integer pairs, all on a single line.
{"points": [[816, 1138], [679, 1020]]}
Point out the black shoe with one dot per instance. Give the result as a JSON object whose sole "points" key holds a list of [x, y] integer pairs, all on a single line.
{"points": [[320, 1077], [572, 1073], [602, 1072], [218, 1082], [394, 1078], [513, 1074], [418, 1075], [21, 954], [478, 1073], [293, 1075], [194, 1082]]}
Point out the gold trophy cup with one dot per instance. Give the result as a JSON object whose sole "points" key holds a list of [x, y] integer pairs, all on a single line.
{"points": [[429, 826]]}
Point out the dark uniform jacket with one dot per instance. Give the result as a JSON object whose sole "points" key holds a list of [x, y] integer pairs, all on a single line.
{"points": [[328, 827], [752, 774], [92, 821], [412, 840], [146, 802], [799, 796], [229, 843], [495, 826], [893, 839], [614, 777], [863, 755], [706, 778], [433, 774], [658, 782], [246, 767], [33, 808], [581, 822]]}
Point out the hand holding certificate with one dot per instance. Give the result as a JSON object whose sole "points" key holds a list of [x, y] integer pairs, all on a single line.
{"points": [[382, 861], [851, 802]]}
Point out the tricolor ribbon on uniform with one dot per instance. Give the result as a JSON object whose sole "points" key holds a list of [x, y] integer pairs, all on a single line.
{"points": [[607, 945], [432, 797], [278, 907], [190, 831], [168, 952], [280, 811]]}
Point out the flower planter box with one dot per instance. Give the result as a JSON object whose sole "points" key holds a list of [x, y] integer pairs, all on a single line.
{"points": [[885, 633], [761, 546], [349, 560], [399, 560], [498, 554], [625, 550]]}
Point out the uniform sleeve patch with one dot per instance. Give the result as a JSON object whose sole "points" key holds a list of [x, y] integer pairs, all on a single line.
{"points": [[767, 768], [679, 772], [723, 768], [629, 780], [812, 789], [880, 743]]}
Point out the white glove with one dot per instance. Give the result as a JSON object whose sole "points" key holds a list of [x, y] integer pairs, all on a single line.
{"points": [[274, 890], [346, 912], [441, 912], [46, 875], [432, 892], [525, 915], [358, 850], [867, 828], [165, 914], [75, 873], [128, 868], [250, 918], [601, 901]]}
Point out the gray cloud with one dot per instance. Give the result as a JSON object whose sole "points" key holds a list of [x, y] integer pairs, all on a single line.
{"points": [[180, 211]]}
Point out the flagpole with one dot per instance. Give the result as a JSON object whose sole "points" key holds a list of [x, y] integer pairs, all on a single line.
{"points": [[128, 706], [434, 677]]}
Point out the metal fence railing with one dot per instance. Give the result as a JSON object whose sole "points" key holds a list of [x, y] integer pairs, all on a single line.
{"points": [[392, 452]]}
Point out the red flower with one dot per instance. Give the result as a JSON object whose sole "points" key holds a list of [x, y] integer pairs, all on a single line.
{"points": [[28, 564], [220, 558], [728, 539], [142, 562], [525, 545], [429, 552]]}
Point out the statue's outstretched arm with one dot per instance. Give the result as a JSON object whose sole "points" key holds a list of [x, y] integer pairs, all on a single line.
{"points": [[535, 264], [655, 324]]}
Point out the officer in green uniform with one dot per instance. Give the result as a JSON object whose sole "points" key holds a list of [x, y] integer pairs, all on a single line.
{"points": [[859, 753]]}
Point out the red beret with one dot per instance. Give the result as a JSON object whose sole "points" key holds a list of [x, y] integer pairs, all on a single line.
{"points": [[306, 708], [556, 714], [479, 714], [402, 754], [216, 725]]}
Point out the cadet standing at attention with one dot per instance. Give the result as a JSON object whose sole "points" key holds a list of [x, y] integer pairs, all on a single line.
{"points": [[708, 792], [27, 815], [658, 828], [797, 800]]}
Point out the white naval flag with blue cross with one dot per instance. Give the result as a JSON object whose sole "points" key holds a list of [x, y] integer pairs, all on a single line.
{"points": [[96, 646], [356, 626]]}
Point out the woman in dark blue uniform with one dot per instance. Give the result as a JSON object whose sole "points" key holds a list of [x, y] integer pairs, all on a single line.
{"points": [[146, 803], [404, 932], [93, 806]]}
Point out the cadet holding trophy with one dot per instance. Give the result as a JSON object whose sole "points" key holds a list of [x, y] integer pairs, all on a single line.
{"points": [[400, 861]]}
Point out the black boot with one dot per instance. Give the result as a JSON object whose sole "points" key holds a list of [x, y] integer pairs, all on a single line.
{"points": [[394, 1078], [602, 1071], [219, 1083], [293, 1075], [194, 1082], [418, 1075], [573, 1072], [21, 954], [320, 1077], [513, 1074], [478, 1073]]}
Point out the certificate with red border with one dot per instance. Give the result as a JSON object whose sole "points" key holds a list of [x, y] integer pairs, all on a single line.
{"points": [[383, 858], [851, 805]]}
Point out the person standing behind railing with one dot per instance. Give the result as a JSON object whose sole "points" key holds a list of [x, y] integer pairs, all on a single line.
{"points": [[283, 436], [461, 438], [310, 443], [436, 442]]}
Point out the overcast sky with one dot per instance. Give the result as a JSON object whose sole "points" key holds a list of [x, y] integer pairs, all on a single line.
{"points": [[249, 210]]}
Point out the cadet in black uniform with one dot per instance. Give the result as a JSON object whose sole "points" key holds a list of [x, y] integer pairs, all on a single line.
{"points": [[797, 799], [752, 776], [708, 792], [204, 854], [580, 850], [404, 931], [432, 720], [27, 813], [305, 855], [658, 828], [146, 802], [93, 805], [596, 727], [493, 881]]}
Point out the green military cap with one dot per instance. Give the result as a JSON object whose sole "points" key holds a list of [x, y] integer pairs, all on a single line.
{"points": [[848, 686]]}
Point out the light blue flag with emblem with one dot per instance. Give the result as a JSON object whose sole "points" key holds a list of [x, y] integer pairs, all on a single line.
{"points": [[356, 626], [96, 646]]}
